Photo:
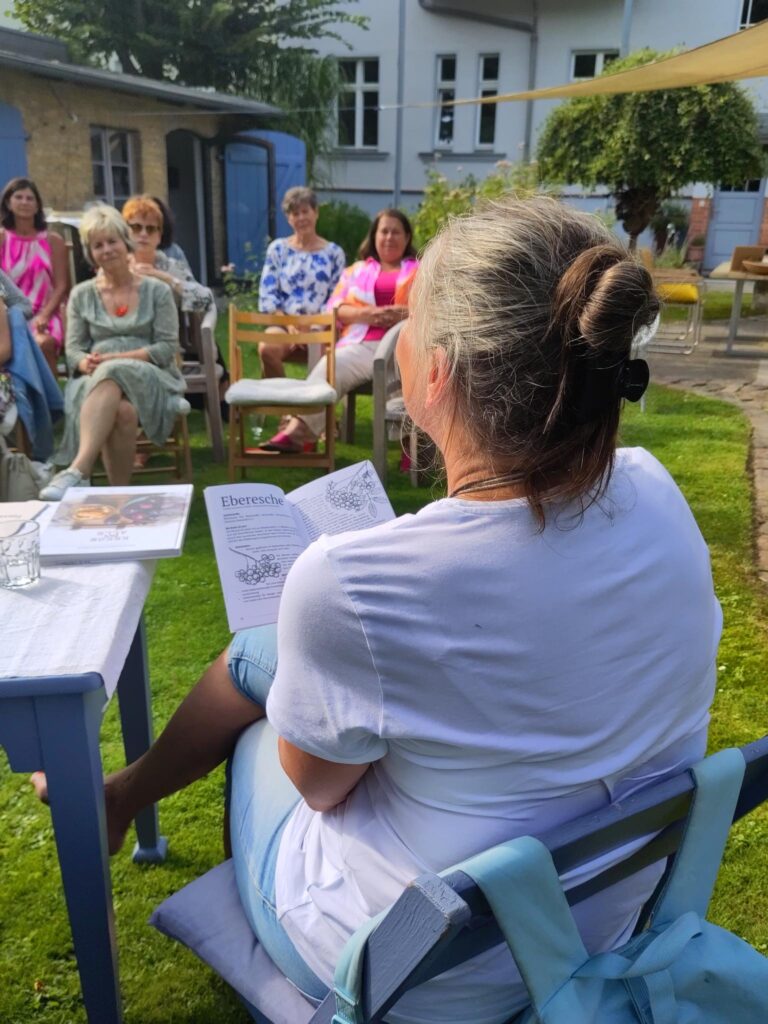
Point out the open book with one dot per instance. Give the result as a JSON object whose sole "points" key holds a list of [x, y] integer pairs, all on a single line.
{"points": [[115, 524], [259, 531]]}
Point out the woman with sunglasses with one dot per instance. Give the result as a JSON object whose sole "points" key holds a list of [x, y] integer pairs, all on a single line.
{"points": [[145, 220]]}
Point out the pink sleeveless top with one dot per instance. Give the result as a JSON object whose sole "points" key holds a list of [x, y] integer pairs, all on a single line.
{"points": [[28, 262], [384, 293]]}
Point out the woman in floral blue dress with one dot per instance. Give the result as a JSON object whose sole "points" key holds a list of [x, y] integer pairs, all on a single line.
{"points": [[299, 274]]}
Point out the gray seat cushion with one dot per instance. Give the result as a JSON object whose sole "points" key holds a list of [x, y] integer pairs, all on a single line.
{"points": [[207, 917]]}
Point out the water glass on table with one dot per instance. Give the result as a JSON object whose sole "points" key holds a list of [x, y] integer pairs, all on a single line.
{"points": [[19, 552]]}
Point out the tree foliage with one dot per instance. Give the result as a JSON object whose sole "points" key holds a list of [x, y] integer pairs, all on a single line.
{"points": [[444, 198], [258, 48], [645, 146]]}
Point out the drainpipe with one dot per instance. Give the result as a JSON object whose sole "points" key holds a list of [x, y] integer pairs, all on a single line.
{"points": [[533, 53], [400, 101], [626, 26]]}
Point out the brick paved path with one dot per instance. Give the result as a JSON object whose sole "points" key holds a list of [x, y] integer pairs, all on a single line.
{"points": [[741, 378]]}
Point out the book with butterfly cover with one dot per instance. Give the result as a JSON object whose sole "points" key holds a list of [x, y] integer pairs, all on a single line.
{"points": [[115, 524], [259, 531]]}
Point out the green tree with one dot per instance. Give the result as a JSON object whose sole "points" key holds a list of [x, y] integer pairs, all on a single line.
{"points": [[258, 48], [646, 146]]}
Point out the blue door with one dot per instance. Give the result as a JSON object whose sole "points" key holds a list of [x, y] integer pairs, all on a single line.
{"points": [[260, 166], [735, 221], [247, 183], [13, 149], [290, 168]]}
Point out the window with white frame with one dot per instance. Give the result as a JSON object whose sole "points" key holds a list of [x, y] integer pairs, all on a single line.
{"points": [[587, 64], [113, 159], [358, 103], [446, 94], [486, 114], [753, 11]]}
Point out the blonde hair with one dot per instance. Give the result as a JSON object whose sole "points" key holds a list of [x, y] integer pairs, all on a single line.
{"points": [[99, 219], [530, 300]]}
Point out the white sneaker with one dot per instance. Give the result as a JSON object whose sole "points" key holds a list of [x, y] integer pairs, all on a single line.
{"points": [[182, 406], [60, 484]]}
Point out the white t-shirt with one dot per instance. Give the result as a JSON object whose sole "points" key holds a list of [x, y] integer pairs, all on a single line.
{"points": [[502, 680]]}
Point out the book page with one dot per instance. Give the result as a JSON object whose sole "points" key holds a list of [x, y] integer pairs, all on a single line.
{"points": [[349, 499], [257, 539]]}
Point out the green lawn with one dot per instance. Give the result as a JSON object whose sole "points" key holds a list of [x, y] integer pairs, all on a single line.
{"points": [[704, 444], [717, 306]]}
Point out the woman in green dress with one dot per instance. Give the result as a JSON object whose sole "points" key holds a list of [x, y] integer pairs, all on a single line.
{"points": [[122, 349]]}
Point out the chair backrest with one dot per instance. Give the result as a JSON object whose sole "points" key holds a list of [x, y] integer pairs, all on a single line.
{"points": [[247, 329], [746, 252], [441, 921], [197, 343]]}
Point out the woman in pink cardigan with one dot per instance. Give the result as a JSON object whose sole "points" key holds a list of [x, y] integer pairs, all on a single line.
{"points": [[371, 297]]}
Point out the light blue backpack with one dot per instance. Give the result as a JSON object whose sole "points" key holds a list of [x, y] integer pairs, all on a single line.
{"points": [[680, 970]]}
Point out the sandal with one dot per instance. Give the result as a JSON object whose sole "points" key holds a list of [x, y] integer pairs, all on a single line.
{"points": [[281, 442]]}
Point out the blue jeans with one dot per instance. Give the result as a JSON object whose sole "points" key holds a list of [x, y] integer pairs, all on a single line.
{"points": [[262, 798]]}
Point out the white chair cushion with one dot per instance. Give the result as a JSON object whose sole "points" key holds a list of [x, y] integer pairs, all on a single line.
{"points": [[279, 391]]}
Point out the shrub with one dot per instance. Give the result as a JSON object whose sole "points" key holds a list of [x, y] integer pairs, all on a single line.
{"points": [[344, 224], [444, 198]]}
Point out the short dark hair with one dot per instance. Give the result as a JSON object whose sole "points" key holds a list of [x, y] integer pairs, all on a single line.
{"points": [[7, 219], [368, 245]]}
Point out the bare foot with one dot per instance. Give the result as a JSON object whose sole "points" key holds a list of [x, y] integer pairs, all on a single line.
{"points": [[118, 819], [40, 784]]}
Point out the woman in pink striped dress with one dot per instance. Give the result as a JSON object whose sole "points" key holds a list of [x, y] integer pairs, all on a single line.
{"points": [[36, 260]]}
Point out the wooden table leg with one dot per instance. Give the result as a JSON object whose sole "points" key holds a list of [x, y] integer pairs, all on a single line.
{"points": [[733, 329]]}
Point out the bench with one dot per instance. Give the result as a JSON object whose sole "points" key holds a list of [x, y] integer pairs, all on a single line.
{"points": [[438, 921]]}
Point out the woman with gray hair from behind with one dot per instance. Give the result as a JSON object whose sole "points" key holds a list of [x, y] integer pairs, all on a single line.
{"points": [[121, 348], [521, 652]]}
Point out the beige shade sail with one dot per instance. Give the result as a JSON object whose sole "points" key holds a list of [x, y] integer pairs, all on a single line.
{"points": [[742, 55]]}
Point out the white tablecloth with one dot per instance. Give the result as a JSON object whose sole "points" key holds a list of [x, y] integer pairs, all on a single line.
{"points": [[76, 618]]}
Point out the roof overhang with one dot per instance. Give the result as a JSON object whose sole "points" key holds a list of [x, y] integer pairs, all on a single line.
{"points": [[137, 86]]}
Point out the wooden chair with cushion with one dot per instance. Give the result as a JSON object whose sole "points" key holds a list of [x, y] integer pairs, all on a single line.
{"points": [[440, 920], [202, 373], [278, 396], [681, 288]]}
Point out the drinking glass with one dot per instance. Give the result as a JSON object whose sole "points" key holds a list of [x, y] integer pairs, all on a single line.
{"points": [[19, 552]]}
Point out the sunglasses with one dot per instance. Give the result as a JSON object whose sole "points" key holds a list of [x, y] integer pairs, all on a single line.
{"points": [[149, 228]]}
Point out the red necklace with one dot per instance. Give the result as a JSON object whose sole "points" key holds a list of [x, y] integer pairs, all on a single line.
{"points": [[121, 310]]}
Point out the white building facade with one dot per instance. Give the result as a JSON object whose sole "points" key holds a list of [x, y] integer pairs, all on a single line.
{"points": [[429, 51]]}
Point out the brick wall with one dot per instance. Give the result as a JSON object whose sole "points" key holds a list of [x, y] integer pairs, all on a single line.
{"points": [[57, 119], [701, 211], [763, 238]]}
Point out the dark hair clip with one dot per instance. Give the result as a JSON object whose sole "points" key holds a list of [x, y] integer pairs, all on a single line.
{"points": [[595, 388], [633, 379]]}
